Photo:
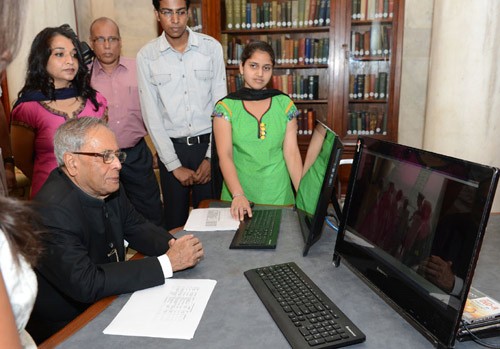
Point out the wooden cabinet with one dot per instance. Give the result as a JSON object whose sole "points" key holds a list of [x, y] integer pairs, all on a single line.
{"points": [[342, 71]]}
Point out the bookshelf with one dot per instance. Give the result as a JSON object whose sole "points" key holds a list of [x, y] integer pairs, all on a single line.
{"points": [[373, 73], [338, 66]]}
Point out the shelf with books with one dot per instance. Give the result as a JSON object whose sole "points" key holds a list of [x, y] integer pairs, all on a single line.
{"points": [[258, 14], [373, 60], [292, 50], [363, 10]]}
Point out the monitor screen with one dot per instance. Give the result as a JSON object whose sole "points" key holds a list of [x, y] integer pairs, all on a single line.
{"points": [[316, 186], [412, 226]]}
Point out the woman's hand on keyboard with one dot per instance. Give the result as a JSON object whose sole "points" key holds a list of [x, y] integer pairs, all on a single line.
{"points": [[240, 206]]}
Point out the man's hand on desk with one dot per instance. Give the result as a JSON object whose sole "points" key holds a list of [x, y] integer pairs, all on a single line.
{"points": [[185, 252]]}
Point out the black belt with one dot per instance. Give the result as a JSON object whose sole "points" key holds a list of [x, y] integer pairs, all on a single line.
{"points": [[192, 140]]}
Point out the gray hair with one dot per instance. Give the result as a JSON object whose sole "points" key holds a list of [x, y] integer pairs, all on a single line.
{"points": [[10, 29], [72, 135]]}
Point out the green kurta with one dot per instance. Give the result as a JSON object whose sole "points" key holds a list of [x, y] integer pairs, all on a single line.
{"points": [[258, 150]]}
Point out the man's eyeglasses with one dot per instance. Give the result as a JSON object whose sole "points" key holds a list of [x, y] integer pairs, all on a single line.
{"points": [[169, 13], [111, 39], [107, 156]]}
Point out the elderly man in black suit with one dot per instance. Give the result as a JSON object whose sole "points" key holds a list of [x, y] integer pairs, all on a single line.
{"points": [[87, 217]]}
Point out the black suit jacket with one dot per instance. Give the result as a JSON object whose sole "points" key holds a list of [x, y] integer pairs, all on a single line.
{"points": [[75, 269]]}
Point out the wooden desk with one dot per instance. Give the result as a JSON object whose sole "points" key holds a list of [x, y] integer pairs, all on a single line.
{"points": [[235, 317]]}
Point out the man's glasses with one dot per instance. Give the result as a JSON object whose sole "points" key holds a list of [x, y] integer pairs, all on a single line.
{"points": [[107, 156], [111, 39], [169, 13]]}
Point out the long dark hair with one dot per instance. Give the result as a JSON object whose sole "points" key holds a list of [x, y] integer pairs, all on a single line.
{"points": [[37, 77], [19, 224]]}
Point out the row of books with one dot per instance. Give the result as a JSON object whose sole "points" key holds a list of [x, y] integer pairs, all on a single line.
{"points": [[195, 22], [245, 15], [367, 122], [305, 121], [368, 86], [373, 42], [287, 50], [372, 9], [298, 87]]}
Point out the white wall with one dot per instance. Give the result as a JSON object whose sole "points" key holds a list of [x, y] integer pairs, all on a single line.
{"points": [[463, 95], [135, 18]]}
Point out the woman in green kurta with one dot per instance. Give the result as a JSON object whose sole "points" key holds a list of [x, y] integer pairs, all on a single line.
{"points": [[255, 130]]}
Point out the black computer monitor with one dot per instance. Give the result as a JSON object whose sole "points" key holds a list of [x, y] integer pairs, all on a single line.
{"points": [[316, 186], [409, 213]]}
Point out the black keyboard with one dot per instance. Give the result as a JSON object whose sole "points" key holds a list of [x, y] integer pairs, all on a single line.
{"points": [[260, 231], [304, 314]]}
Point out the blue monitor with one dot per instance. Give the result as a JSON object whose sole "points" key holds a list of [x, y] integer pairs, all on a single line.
{"points": [[412, 227]]}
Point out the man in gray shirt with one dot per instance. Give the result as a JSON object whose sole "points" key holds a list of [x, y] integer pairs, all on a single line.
{"points": [[181, 75]]}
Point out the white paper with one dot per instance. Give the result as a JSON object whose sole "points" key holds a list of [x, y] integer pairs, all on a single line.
{"points": [[211, 219], [172, 310]]}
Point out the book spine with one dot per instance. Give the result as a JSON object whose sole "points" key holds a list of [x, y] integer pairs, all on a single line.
{"points": [[295, 13], [382, 85], [224, 44], [299, 121], [243, 15], [237, 14], [322, 13], [370, 12], [267, 15], [289, 81], [307, 9], [366, 42], [385, 11], [311, 117], [253, 9], [229, 14], [360, 85], [312, 12], [274, 13], [328, 10], [362, 10]]}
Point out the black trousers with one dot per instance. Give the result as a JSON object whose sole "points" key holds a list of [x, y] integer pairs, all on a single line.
{"points": [[176, 197], [138, 178]]}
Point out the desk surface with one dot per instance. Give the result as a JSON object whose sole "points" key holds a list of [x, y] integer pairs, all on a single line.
{"points": [[235, 317]]}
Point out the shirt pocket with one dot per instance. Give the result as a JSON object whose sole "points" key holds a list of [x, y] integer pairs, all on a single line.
{"points": [[161, 79], [203, 74]]}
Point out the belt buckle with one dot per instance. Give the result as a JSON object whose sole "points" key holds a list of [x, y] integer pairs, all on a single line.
{"points": [[195, 137]]}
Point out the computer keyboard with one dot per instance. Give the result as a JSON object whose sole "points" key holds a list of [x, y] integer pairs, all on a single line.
{"points": [[260, 231], [304, 314]]}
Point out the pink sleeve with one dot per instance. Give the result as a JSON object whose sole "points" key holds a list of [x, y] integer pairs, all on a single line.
{"points": [[25, 115]]}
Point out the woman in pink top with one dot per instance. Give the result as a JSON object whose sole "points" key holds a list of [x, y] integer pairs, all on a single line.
{"points": [[57, 88]]}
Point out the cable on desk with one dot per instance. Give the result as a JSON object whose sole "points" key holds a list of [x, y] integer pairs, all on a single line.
{"points": [[478, 340]]}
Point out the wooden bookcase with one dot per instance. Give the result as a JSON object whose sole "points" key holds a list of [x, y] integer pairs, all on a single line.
{"points": [[335, 104]]}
